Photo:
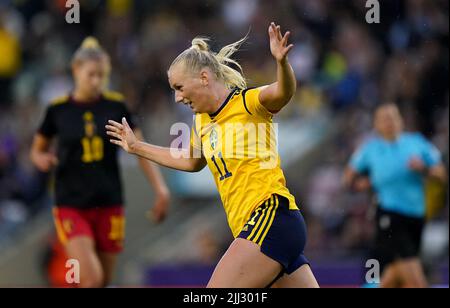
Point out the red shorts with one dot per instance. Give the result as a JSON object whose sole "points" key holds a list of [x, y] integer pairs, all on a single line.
{"points": [[106, 226]]}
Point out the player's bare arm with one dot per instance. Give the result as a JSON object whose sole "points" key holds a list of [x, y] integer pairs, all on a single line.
{"points": [[275, 96], [437, 172], [125, 138], [353, 180]]}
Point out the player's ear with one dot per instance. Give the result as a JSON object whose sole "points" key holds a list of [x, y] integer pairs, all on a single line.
{"points": [[76, 67], [204, 77]]}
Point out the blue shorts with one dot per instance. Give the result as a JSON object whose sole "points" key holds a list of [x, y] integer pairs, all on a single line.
{"points": [[279, 231]]}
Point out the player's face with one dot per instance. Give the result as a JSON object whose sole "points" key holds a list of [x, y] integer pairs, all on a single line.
{"points": [[190, 89], [90, 76], [388, 121]]}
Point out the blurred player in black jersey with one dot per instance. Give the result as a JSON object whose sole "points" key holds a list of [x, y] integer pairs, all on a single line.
{"points": [[88, 212]]}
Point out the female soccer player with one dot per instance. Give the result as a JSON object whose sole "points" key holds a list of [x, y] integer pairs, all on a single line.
{"points": [[88, 212], [396, 164], [269, 230]]}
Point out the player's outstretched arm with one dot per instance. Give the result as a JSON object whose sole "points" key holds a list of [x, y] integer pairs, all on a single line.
{"points": [[275, 96], [124, 137]]}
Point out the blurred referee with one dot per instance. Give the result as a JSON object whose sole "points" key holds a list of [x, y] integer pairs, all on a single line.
{"points": [[395, 164]]}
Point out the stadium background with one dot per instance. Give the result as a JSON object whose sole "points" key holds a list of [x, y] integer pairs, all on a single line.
{"points": [[344, 66]]}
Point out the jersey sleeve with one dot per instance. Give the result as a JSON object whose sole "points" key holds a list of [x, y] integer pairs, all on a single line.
{"points": [[359, 160], [252, 104], [430, 154], [48, 126]]}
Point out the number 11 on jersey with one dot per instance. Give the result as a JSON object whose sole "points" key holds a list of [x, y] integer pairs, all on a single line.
{"points": [[222, 175]]}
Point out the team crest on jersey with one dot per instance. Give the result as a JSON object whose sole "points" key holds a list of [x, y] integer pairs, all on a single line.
{"points": [[213, 139]]}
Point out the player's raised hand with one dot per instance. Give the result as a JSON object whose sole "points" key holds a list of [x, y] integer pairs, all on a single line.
{"points": [[123, 134], [278, 42]]}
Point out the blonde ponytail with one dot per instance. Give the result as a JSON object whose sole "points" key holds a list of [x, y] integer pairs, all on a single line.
{"points": [[200, 56], [90, 43], [200, 44]]}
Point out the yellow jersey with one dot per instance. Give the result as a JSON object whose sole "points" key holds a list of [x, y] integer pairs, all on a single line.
{"points": [[239, 144]]}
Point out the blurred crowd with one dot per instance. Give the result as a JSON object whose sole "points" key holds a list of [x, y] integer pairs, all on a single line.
{"points": [[344, 65]]}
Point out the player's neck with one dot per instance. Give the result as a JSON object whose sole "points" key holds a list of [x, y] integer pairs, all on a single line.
{"points": [[391, 137], [220, 96], [81, 97]]}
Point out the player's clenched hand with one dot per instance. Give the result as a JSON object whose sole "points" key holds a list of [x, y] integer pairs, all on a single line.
{"points": [[362, 184], [123, 135], [278, 43], [417, 164], [45, 161], [160, 208]]}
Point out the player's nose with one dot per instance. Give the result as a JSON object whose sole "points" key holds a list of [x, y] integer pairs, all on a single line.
{"points": [[96, 82], [179, 98]]}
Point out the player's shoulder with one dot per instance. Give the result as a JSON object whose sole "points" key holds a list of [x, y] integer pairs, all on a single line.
{"points": [[244, 97], [245, 93], [248, 92], [414, 138], [369, 142], [60, 100], [113, 96], [253, 105]]}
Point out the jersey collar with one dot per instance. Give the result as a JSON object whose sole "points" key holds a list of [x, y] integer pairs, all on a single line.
{"points": [[85, 103], [212, 115]]}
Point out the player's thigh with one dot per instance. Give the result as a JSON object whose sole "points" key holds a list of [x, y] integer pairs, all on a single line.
{"points": [[390, 277], [110, 230], [82, 249], [301, 278], [412, 273], [75, 233], [244, 266], [109, 236], [108, 262]]}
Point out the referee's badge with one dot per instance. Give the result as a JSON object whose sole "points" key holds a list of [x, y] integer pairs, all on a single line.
{"points": [[385, 222], [213, 139]]}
